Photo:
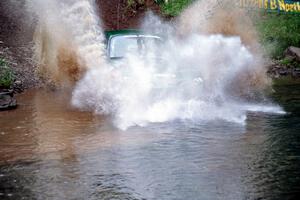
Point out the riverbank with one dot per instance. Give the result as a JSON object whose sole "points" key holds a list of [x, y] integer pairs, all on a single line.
{"points": [[288, 66], [16, 47], [277, 70]]}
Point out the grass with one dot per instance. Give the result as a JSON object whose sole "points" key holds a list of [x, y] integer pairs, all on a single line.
{"points": [[286, 61], [6, 74], [278, 31], [289, 62]]}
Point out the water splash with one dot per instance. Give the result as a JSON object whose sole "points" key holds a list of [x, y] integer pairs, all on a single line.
{"points": [[68, 38], [190, 78], [196, 73]]}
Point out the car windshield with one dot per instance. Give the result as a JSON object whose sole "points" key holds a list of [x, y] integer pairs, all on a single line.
{"points": [[122, 45]]}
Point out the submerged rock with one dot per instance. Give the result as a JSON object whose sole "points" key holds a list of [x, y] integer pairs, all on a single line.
{"points": [[7, 100]]}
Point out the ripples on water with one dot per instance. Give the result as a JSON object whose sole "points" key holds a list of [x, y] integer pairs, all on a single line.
{"points": [[49, 150]]}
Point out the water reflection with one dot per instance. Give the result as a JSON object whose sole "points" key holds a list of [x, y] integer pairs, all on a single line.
{"points": [[49, 150]]}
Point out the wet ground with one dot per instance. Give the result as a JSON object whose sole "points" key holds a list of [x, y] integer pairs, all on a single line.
{"points": [[48, 150]]}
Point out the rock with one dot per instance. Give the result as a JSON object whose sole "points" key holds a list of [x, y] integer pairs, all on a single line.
{"points": [[18, 82], [296, 73], [7, 100], [283, 72], [18, 87], [293, 52]]}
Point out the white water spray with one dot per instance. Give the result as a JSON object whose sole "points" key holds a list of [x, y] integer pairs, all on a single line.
{"points": [[189, 78], [190, 75], [68, 38]]}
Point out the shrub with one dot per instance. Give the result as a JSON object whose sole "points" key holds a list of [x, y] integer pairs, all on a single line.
{"points": [[173, 7], [278, 31], [6, 74]]}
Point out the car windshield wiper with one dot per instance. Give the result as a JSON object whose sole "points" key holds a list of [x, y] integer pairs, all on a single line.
{"points": [[116, 57]]}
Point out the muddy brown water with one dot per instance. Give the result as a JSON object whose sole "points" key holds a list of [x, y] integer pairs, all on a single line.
{"points": [[49, 150]]}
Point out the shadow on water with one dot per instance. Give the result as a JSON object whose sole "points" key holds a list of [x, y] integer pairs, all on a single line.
{"points": [[50, 150]]}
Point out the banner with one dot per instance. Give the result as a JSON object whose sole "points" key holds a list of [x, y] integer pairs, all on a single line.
{"points": [[292, 6]]}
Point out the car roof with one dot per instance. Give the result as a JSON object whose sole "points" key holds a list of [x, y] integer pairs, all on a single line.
{"points": [[109, 34]]}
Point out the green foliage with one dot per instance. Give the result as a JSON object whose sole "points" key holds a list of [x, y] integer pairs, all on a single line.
{"points": [[160, 1], [278, 31], [6, 74], [286, 61], [173, 7], [289, 62]]}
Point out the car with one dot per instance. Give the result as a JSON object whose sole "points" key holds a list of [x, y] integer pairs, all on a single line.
{"points": [[120, 43], [148, 47]]}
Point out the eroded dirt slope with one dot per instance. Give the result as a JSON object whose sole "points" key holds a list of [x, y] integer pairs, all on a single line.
{"points": [[116, 14]]}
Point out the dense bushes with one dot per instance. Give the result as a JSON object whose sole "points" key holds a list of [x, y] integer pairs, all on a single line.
{"points": [[173, 7], [278, 31], [6, 74]]}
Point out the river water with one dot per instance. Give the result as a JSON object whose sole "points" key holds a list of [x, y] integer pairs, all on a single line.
{"points": [[48, 150]]}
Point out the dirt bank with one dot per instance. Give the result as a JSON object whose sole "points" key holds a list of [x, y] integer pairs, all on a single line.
{"points": [[116, 14], [16, 44]]}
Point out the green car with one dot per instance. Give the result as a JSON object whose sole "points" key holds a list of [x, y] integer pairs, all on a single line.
{"points": [[123, 42]]}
